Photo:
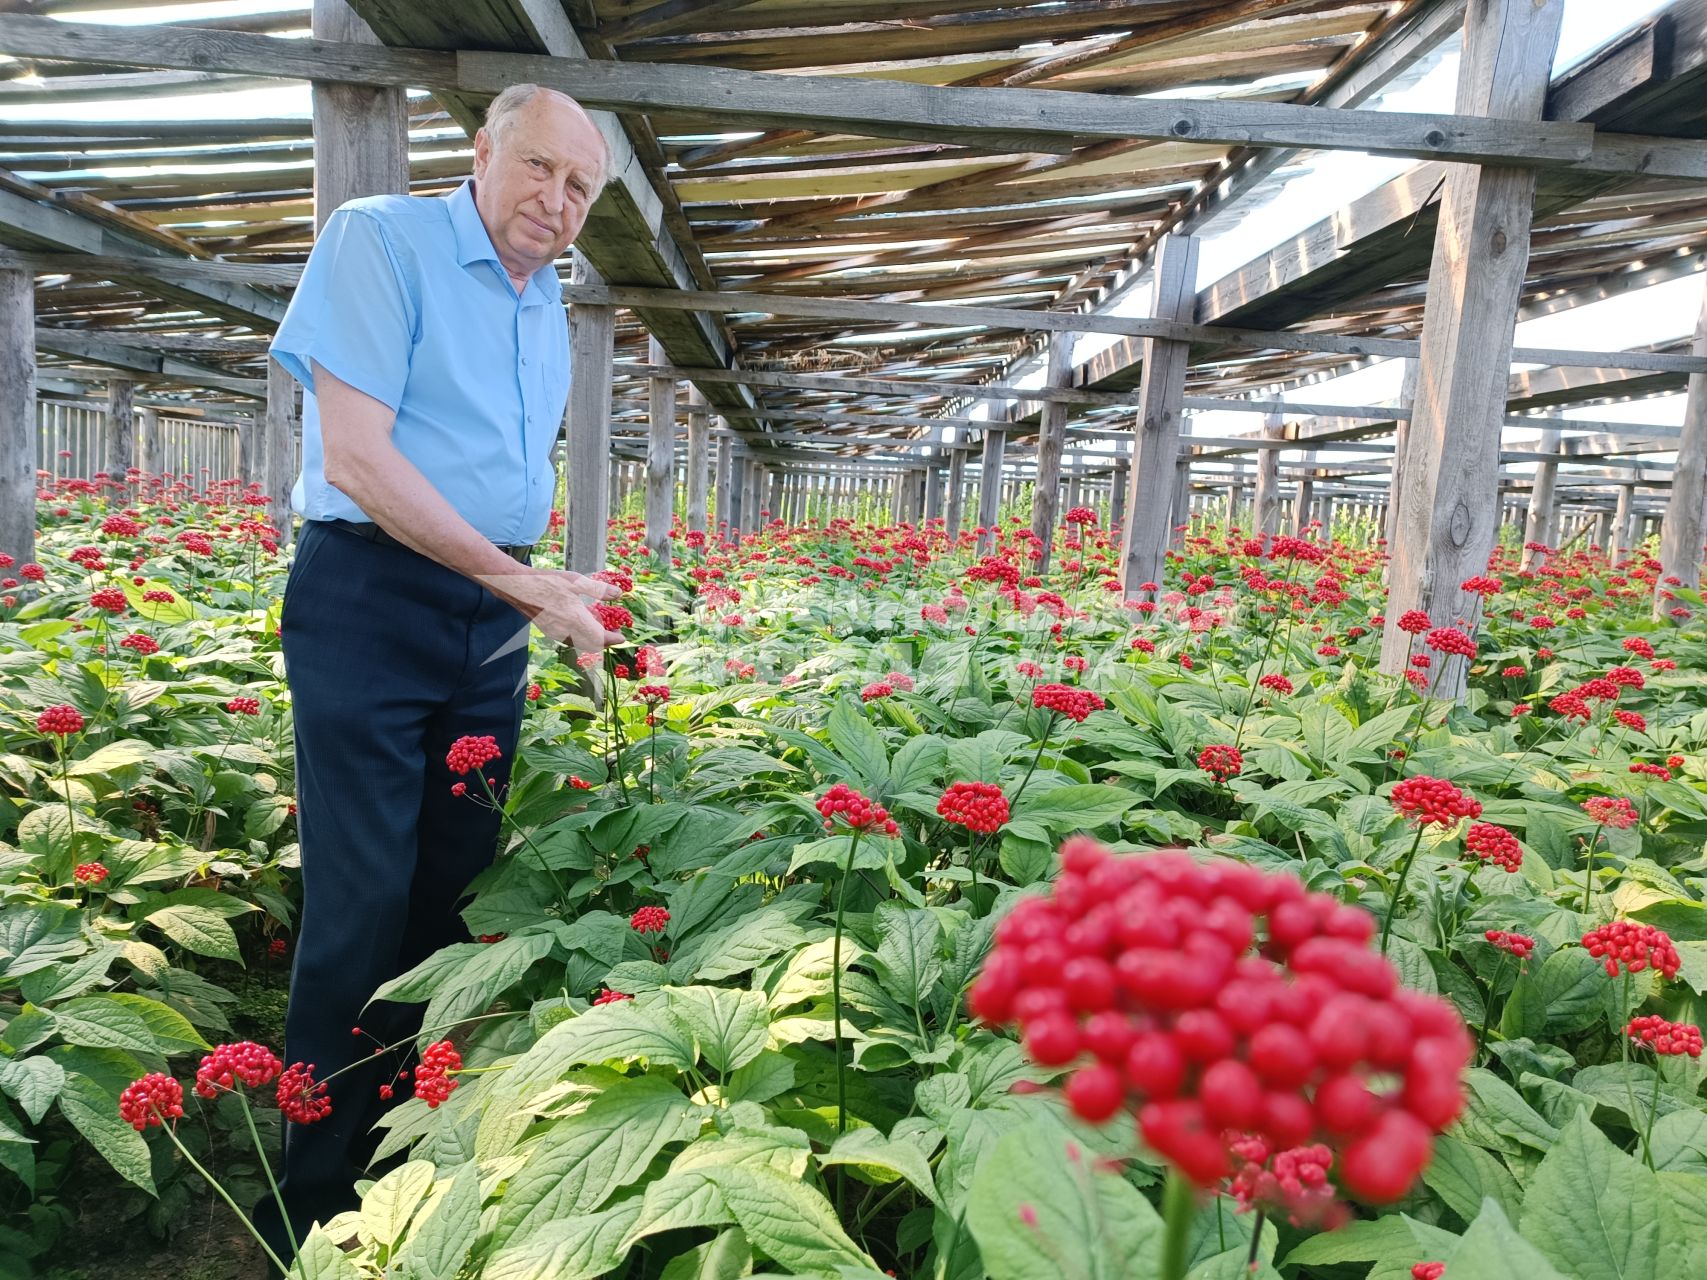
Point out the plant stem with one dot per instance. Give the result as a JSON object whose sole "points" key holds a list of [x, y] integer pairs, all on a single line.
{"points": [[1653, 1110], [1588, 870], [1399, 889], [836, 1007], [1179, 1207], [1256, 1242], [1488, 1007], [267, 1168], [223, 1195], [1042, 743], [503, 818]]}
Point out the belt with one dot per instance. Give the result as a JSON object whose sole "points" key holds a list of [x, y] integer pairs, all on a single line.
{"points": [[366, 529]]}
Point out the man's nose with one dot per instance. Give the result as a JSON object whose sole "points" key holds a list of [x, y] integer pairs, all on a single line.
{"points": [[552, 198]]}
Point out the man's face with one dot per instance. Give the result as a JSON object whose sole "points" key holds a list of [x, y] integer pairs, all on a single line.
{"points": [[534, 182]]}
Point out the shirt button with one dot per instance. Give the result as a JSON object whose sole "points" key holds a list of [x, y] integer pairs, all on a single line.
{"points": [[524, 359]]}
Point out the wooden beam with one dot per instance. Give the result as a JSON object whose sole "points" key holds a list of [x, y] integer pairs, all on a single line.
{"points": [[660, 461], [1680, 535], [69, 342], [869, 107], [592, 331], [1156, 436], [1448, 517], [17, 417], [361, 131]]}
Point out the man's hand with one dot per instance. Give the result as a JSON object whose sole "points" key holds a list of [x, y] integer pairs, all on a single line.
{"points": [[557, 602]]}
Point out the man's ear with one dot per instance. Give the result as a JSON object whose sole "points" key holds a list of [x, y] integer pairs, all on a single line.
{"points": [[482, 152]]}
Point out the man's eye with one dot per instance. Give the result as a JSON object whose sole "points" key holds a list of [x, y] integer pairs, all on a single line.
{"points": [[537, 163]]}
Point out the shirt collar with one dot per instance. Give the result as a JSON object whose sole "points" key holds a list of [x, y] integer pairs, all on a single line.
{"points": [[473, 244]]}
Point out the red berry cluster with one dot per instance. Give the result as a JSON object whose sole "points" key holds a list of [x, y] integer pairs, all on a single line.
{"points": [[244, 706], [140, 644], [1081, 515], [877, 689], [1450, 640], [1612, 811], [1631, 720], [1520, 945], [977, 806], [1227, 1003], [649, 920], [1428, 1271], [470, 753], [154, 1099], [1493, 843], [653, 694], [1067, 700], [112, 599], [61, 720], [1426, 800], [1294, 1183], [1654, 1032], [1638, 645], [1276, 684], [842, 801], [230, 1064], [1652, 770], [432, 1075], [1633, 947], [613, 617], [89, 872], [1414, 622], [1220, 761], [607, 996], [300, 1096]]}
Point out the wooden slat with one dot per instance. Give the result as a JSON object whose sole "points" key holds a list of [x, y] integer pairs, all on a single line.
{"points": [[1680, 538]]}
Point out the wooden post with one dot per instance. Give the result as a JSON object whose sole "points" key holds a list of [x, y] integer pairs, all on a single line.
{"points": [[1680, 534], [723, 498], [248, 450], [1301, 505], [17, 416], [1051, 440], [990, 487], [699, 460], [738, 464], [748, 511], [361, 133], [279, 467], [148, 444], [592, 338], [1541, 521], [121, 426], [1117, 495], [1603, 530], [1156, 434], [773, 493], [1265, 518], [660, 457], [956, 505], [1447, 521], [1179, 500]]}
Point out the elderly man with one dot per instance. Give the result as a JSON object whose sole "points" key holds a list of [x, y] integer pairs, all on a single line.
{"points": [[430, 340]]}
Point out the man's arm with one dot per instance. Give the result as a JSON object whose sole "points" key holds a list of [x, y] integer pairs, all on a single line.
{"points": [[362, 462]]}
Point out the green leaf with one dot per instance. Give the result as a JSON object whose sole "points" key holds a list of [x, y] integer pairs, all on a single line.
{"points": [[35, 1082], [788, 1221], [728, 1257], [101, 1022], [1040, 1212], [1684, 1222], [392, 1201], [199, 930], [69, 978], [1499, 1119], [1678, 1143], [906, 959], [28, 1029], [1076, 808], [861, 745], [1493, 1250], [574, 1249], [731, 1027], [320, 1259], [1464, 1176], [440, 1243], [1594, 1211], [620, 1031], [983, 758], [581, 1160], [94, 1113], [919, 762], [172, 1031], [870, 1151], [1361, 1240], [113, 756]]}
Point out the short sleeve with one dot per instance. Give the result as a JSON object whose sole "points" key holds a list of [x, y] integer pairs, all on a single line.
{"points": [[352, 312]]}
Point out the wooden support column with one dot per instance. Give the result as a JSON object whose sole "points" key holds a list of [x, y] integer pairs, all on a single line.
{"points": [[773, 494], [956, 505], [1603, 530], [1051, 441], [1401, 443], [1117, 495], [724, 495], [990, 488], [1447, 523], [592, 338], [361, 133], [121, 426], [1680, 534], [699, 460], [1179, 500], [1156, 434], [1265, 518], [738, 464], [1541, 523], [660, 457], [748, 511], [248, 450], [279, 468], [1302, 503], [18, 415], [148, 446]]}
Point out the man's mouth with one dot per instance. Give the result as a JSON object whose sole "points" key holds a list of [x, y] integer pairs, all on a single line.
{"points": [[543, 227]]}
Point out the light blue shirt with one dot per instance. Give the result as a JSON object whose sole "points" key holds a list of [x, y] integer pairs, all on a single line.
{"points": [[404, 299]]}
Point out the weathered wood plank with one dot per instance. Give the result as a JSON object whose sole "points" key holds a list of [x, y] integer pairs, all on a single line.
{"points": [[279, 468], [699, 460], [1051, 440], [660, 460], [592, 332], [121, 426], [1156, 436], [1265, 517], [990, 488], [1680, 535], [1448, 517], [17, 416], [361, 131]]}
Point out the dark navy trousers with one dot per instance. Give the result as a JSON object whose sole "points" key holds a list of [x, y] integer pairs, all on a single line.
{"points": [[389, 657]]}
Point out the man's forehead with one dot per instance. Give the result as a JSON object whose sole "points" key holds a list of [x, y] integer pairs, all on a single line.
{"points": [[556, 126]]}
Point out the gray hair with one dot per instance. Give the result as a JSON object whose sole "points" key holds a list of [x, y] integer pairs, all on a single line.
{"points": [[502, 111]]}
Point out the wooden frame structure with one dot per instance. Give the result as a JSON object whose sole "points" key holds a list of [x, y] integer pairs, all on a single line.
{"points": [[849, 229]]}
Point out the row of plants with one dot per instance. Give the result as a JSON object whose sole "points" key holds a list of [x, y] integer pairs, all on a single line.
{"points": [[882, 906]]}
